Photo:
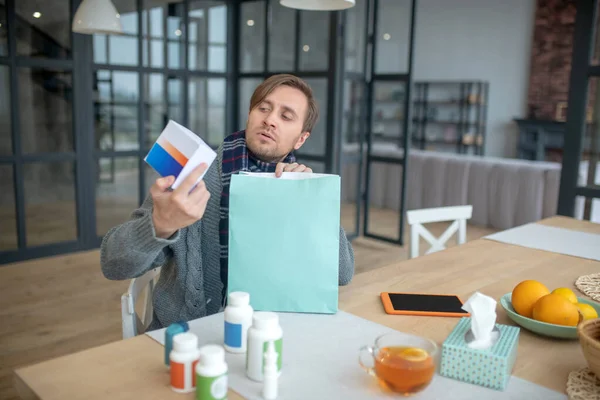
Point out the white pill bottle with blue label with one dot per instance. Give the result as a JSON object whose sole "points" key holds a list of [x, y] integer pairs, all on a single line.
{"points": [[238, 319], [265, 329]]}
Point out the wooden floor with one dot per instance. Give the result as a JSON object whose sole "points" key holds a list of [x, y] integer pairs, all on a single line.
{"points": [[60, 305]]}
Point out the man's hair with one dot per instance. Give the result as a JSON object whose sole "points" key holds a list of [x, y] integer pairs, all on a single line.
{"points": [[273, 82]]}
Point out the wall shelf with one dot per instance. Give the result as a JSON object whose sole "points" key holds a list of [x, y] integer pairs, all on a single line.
{"points": [[447, 116]]}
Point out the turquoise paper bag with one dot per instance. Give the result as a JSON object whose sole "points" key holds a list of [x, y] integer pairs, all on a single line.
{"points": [[284, 238]]}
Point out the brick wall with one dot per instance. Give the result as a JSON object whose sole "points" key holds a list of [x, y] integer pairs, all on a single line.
{"points": [[551, 57]]}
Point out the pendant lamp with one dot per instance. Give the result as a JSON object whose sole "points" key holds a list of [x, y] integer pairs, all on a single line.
{"points": [[318, 5], [97, 16]]}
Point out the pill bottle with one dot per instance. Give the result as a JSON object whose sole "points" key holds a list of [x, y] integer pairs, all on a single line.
{"points": [[265, 328], [211, 374], [183, 359], [173, 329], [238, 318]]}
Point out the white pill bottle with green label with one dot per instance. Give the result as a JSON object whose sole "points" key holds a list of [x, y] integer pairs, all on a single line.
{"points": [[211, 373], [265, 328]]}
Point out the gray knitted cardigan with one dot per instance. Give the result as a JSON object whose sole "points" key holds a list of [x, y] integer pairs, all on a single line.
{"points": [[190, 285]]}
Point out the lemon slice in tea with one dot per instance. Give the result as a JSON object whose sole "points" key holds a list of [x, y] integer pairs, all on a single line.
{"points": [[414, 354]]}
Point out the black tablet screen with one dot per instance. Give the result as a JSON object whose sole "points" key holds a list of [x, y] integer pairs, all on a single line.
{"points": [[426, 302]]}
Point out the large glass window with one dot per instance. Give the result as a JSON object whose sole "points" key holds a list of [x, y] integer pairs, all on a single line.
{"points": [[5, 117], [392, 36], [153, 33], [37, 140], [282, 37], [163, 34], [116, 110], [388, 111], [116, 191], [3, 31], [120, 49], [252, 37], [197, 101], [217, 38], [216, 111], [163, 100], [313, 53], [207, 36], [353, 121], [315, 145], [247, 87], [50, 209], [168, 83], [355, 37], [41, 28], [207, 109], [175, 35], [179, 73], [45, 108], [155, 107], [175, 100]]}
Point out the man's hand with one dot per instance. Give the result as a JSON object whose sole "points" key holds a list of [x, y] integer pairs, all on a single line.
{"points": [[294, 167], [179, 208]]}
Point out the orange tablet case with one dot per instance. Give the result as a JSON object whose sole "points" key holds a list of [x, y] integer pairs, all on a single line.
{"points": [[387, 305]]}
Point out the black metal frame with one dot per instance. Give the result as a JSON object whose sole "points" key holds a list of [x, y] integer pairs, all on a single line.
{"points": [[344, 159], [581, 72], [405, 78]]}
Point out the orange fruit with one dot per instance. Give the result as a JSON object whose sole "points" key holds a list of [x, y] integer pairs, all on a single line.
{"points": [[555, 309], [525, 295], [566, 293], [587, 311]]}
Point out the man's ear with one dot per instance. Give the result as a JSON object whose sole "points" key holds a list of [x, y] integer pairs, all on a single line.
{"points": [[301, 140]]}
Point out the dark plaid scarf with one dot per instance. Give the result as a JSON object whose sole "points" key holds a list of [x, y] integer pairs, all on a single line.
{"points": [[236, 158]]}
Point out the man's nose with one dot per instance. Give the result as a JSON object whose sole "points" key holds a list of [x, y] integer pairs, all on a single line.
{"points": [[270, 120]]}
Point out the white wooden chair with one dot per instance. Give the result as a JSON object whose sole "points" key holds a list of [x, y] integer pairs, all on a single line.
{"points": [[416, 219], [132, 323]]}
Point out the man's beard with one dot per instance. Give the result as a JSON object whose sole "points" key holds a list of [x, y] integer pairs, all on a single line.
{"points": [[267, 155]]}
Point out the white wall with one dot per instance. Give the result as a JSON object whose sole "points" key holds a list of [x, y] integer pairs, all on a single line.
{"points": [[470, 40]]}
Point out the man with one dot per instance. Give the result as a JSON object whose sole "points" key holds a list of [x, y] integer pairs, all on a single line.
{"points": [[186, 231]]}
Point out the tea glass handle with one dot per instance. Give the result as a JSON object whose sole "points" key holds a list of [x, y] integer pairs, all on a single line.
{"points": [[368, 366]]}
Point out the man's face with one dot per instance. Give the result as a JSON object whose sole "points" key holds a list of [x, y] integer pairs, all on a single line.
{"points": [[274, 127]]}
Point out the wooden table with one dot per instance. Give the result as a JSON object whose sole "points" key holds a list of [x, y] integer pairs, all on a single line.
{"points": [[134, 368]]}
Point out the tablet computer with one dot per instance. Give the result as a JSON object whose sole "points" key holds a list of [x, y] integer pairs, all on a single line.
{"points": [[440, 305]]}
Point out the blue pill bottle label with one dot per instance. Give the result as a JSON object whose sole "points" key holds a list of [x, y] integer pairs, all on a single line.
{"points": [[233, 335]]}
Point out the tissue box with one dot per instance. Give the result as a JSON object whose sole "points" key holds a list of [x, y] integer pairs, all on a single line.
{"points": [[491, 367]]}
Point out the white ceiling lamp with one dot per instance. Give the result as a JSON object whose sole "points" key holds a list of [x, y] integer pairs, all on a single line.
{"points": [[318, 5], [97, 16]]}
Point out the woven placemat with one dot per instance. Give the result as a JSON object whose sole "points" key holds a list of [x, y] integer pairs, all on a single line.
{"points": [[589, 285], [583, 385]]}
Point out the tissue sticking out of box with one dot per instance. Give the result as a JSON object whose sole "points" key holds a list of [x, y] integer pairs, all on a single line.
{"points": [[483, 333]]}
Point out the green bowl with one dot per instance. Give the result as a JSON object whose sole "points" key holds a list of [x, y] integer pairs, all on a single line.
{"points": [[543, 328]]}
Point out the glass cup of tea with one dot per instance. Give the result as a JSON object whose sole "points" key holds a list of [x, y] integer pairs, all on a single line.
{"points": [[402, 363]]}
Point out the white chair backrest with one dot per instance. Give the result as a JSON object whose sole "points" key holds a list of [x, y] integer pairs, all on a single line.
{"points": [[132, 324], [416, 219]]}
